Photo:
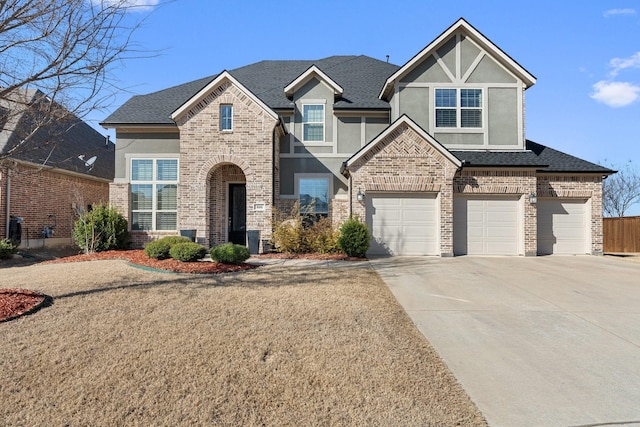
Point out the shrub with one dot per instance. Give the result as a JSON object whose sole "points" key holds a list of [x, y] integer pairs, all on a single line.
{"points": [[158, 249], [187, 251], [230, 253], [299, 234], [320, 237], [7, 249], [101, 229], [173, 240], [354, 238]]}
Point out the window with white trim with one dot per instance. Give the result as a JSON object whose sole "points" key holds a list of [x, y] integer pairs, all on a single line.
{"points": [[314, 194], [313, 122], [458, 108], [154, 194], [226, 117]]}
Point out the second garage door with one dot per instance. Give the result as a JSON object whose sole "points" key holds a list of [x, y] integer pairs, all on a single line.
{"points": [[403, 224], [562, 226], [486, 225]]}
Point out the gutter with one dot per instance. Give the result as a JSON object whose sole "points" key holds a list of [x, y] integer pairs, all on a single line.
{"points": [[7, 202]]}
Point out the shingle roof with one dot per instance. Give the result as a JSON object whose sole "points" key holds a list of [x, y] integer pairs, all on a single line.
{"points": [[57, 145], [360, 76], [537, 155]]}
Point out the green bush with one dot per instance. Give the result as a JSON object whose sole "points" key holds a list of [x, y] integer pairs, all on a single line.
{"points": [[101, 229], [187, 251], [173, 240], [158, 249], [230, 253], [287, 236], [7, 249], [354, 238]]}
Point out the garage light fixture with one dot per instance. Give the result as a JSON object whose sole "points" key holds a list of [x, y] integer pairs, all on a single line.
{"points": [[533, 199], [360, 195]]}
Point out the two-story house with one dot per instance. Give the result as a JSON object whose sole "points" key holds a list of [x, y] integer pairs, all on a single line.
{"points": [[432, 155]]}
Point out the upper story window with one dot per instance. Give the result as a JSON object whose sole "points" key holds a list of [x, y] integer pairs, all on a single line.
{"points": [[154, 194], [458, 108], [226, 117], [313, 122]]}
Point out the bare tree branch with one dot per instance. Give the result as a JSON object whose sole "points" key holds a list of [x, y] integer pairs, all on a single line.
{"points": [[621, 190], [55, 62]]}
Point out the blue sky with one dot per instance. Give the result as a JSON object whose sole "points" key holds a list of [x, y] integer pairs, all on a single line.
{"points": [[585, 54]]}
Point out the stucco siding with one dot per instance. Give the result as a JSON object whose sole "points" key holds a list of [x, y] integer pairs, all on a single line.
{"points": [[349, 134], [290, 166], [488, 71], [428, 71], [414, 102], [141, 143], [309, 93], [503, 116]]}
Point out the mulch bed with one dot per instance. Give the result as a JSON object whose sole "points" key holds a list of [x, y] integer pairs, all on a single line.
{"points": [[138, 257], [18, 302], [337, 257]]}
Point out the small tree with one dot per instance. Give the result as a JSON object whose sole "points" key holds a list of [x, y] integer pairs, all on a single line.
{"points": [[101, 229], [354, 237], [621, 190]]}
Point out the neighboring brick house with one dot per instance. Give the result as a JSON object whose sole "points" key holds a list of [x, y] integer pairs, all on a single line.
{"points": [[432, 155], [65, 167]]}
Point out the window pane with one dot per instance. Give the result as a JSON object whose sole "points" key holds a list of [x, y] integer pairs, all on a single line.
{"points": [[141, 197], [445, 97], [313, 132], [471, 98], [167, 170], [313, 113], [166, 221], [471, 118], [226, 117], [445, 118], [142, 170], [141, 221], [314, 195], [167, 197]]}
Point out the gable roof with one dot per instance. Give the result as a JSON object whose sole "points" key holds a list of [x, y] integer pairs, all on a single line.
{"points": [[478, 37], [66, 144], [202, 93], [403, 120], [360, 77], [312, 72]]}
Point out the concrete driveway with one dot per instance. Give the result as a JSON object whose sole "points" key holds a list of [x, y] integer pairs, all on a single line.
{"points": [[546, 341]]}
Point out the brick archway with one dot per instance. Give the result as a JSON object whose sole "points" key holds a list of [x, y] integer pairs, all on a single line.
{"points": [[219, 182]]}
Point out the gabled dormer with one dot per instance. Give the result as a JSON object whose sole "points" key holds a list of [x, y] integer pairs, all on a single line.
{"points": [[313, 94], [463, 90]]}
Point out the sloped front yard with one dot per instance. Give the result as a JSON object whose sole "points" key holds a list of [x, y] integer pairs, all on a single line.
{"points": [[271, 346]]}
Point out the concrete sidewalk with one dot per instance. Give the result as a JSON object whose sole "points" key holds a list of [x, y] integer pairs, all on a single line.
{"points": [[546, 341]]}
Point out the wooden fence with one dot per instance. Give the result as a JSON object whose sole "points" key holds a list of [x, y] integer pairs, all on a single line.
{"points": [[621, 234]]}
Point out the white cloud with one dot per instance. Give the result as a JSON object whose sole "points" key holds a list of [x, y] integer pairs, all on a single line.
{"points": [[613, 12], [619, 64], [615, 94]]}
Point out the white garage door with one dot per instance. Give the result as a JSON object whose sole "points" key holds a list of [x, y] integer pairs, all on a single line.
{"points": [[563, 226], [402, 224], [486, 225]]}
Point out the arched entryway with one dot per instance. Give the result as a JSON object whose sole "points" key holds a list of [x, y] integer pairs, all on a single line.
{"points": [[227, 204]]}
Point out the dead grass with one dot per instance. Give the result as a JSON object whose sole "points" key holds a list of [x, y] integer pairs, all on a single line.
{"points": [[272, 346]]}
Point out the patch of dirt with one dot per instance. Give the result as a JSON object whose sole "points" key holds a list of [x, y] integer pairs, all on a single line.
{"points": [[16, 302]]}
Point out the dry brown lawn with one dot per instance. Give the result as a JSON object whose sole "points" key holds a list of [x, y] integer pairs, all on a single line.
{"points": [[273, 346]]}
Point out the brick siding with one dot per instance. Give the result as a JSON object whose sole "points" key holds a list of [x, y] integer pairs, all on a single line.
{"points": [[36, 194]]}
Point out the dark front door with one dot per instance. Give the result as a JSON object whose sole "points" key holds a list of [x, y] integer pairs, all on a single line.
{"points": [[238, 214]]}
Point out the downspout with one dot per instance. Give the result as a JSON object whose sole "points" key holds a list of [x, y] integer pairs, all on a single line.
{"points": [[7, 202]]}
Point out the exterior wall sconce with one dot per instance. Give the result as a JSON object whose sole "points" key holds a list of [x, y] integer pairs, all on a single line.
{"points": [[360, 195], [533, 199]]}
